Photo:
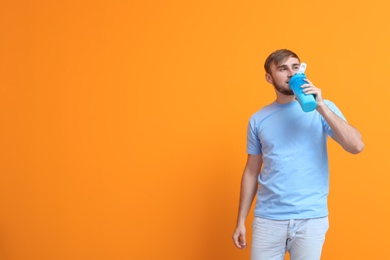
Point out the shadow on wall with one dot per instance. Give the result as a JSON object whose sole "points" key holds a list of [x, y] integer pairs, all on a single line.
{"points": [[3, 239], [219, 210]]}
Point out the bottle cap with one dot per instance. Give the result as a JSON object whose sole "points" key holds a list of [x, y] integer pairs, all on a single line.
{"points": [[302, 68]]}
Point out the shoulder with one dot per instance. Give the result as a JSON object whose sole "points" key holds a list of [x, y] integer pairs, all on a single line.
{"points": [[331, 105], [328, 102], [262, 113]]}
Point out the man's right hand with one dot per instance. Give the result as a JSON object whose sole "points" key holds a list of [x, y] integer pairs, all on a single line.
{"points": [[239, 237], [247, 194]]}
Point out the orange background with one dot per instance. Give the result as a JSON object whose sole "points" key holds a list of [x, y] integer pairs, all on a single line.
{"points": [[123, 124]]}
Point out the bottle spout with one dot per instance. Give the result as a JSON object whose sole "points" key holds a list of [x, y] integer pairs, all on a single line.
{"points": [[302, 68]]}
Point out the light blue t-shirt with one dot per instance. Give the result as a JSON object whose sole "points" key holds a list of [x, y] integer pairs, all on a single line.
{"points": [[294, 180]]}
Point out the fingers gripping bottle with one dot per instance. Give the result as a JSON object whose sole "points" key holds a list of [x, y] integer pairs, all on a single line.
{"points": [[307, 101]]}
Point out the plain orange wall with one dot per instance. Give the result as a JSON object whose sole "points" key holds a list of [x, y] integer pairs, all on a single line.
{"points": [[123, 123]]}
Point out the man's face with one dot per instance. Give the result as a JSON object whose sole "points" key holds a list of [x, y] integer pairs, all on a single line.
{"points": [[281, 74]]}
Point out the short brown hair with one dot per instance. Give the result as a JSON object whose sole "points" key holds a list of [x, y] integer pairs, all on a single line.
{"points": [[278, 57]]}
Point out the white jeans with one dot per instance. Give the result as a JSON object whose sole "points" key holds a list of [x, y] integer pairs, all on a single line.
{"points": [[302, 238]]}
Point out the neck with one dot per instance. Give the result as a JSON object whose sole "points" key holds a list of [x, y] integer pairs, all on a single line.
{"points": [[284, 99]]}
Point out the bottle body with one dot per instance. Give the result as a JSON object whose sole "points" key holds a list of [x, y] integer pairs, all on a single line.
{"points": [[307, 102]]}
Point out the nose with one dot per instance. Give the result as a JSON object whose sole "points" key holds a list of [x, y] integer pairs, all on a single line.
{"points": [[290, 73]]}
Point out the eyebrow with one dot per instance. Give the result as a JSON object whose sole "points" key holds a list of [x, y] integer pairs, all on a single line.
{"points": [[285, 66]]}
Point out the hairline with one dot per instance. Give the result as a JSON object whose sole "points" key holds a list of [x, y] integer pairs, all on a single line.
{"points": [[273, 57]]}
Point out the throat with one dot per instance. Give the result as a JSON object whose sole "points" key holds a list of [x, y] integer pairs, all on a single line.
{"points": [[284, 99]]}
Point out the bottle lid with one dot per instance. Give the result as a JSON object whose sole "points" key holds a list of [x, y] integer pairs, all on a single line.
{"points": [[302, 68]]}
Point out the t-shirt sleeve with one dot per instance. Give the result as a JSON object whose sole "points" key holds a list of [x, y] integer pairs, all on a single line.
{"points": [[335, 110], [253, 141]]}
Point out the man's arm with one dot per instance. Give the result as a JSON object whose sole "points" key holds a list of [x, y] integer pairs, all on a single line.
{"points": [[247, 194], [343, 133]]}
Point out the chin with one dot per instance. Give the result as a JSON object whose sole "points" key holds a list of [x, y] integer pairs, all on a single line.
{"points": [[285, 90]]}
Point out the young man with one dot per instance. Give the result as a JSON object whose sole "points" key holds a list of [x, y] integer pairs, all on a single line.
{"points": [[287, 166]]}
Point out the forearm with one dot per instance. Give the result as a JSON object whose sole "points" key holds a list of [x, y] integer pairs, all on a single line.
{"points": [[345, 134], [248, 191]]}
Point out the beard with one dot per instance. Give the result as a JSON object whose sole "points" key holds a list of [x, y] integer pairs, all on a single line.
{"points": [[285, 89]]}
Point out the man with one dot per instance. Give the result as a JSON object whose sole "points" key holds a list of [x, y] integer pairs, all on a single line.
{"points": [[287, 166]]}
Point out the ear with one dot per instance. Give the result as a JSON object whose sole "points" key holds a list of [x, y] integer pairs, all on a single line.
{"points": [[268, 78]]}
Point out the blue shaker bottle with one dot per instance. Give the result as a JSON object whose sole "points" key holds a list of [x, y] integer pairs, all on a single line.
{"points": [[307, 101]]}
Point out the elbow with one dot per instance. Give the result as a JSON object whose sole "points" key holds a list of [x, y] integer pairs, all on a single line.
{"points": [[357, 148]]}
